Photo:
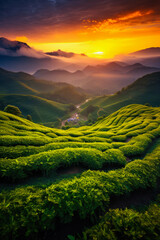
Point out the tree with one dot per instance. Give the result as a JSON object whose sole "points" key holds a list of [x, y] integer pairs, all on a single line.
{"points": [[13, 110]]}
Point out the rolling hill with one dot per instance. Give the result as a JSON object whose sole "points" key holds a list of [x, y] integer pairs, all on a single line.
{"points": [[41, 110], [23, 83], [144, 90]]}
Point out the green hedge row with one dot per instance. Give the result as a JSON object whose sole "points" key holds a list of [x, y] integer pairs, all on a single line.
{"points": [[52, 160], [23, 140], [137, 145], [22, 151], [30, 210]]}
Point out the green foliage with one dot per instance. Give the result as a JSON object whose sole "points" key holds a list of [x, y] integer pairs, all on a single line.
{"points": [[115, 156], [52, 160], [127, 224], [13, 110], [34, 209]]}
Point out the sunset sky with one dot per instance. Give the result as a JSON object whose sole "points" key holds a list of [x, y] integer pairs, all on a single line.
{"points": [[98, 28]]}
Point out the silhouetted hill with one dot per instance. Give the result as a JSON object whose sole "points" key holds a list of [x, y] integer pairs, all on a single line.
{"points": [[68, 94], [60, 75]]}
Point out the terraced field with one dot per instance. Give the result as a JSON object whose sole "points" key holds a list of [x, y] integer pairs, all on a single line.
{"points": [[56, 183]]}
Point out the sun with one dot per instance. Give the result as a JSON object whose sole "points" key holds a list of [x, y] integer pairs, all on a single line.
{"points": [[98, 53]]}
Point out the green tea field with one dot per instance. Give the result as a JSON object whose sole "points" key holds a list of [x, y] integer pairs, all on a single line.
{"points": [[93, 182]]}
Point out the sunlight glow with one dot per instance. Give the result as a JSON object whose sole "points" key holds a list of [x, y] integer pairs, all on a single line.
{"points": [[99, 53]]}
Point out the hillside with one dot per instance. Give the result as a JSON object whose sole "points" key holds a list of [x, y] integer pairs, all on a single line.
{"points": [[68, 94], [23, 83], [54, 179], [41, 110], [144, 90]]}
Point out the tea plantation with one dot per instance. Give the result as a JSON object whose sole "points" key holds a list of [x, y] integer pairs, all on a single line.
{"points": [[62, 184]]}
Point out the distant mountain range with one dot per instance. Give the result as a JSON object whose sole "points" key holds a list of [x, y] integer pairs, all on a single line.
{"points": [[101, 79], [142, 91]]}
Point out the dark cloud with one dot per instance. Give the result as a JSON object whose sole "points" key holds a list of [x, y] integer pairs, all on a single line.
{"points": [[26, 15], [60, 53]]}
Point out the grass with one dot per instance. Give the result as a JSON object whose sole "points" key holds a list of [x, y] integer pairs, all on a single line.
{"points": [[29, 150]]}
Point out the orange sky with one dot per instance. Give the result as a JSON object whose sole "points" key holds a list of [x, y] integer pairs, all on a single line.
{"points": [[100, 29], [103, 39]]}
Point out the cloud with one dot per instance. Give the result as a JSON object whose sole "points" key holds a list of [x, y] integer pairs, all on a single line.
{"points": [[35, 16], [123, 21], [60, 53], [16, 48]]}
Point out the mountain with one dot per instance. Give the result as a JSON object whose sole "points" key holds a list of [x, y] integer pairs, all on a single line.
{"points": [[18, 56], [105, 68], [41, 110], [144, 90], [61, 75], [11, 47], [153, 51], [149, 57], [117, 68]]}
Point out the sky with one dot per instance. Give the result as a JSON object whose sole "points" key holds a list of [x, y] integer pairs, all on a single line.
{"points": [[98, 28]]}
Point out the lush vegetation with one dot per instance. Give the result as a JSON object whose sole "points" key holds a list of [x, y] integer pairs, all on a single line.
{"points": [[128, 224], [118, 155]]}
